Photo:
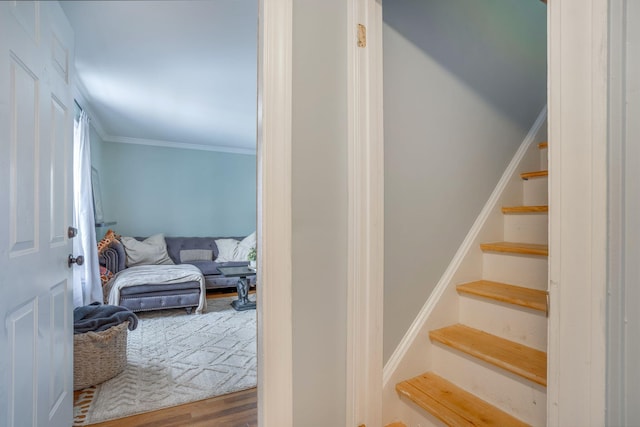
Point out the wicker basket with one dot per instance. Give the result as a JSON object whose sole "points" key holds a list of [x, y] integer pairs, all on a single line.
{"points": [[99, 356]]}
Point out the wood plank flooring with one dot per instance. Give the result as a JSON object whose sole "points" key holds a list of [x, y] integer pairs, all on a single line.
{"points": [[232, 410]]}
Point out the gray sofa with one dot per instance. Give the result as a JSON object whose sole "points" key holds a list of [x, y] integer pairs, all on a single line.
{"points": [[179, 295]]}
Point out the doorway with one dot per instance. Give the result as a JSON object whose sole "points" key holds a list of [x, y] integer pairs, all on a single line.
{"points": [[116, 155]]}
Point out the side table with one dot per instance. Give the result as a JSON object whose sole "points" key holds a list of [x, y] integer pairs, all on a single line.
{"points": [[242, 303]]}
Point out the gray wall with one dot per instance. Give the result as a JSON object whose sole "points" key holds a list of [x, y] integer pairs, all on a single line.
{"points": [[623, 352], [177, 192], [464, 81], [319, 212]]}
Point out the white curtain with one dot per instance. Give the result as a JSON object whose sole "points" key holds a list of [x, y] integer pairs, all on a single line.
{"points": [[86, 277]]}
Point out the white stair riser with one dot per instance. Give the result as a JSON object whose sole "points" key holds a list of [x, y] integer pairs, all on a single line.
{"points": [[529, 228], [519, 324], [517, 396], [535, 191], [520, 270], [544, 159]]}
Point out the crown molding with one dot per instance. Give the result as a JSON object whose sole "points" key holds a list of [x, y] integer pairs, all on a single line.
{"points": [[174, 144]]}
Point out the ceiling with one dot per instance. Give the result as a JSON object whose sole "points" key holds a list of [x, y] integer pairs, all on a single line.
{"points": [[169, 73]]}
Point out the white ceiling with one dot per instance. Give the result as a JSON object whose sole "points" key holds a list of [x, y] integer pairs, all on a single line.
{"points": [[169, 72]]}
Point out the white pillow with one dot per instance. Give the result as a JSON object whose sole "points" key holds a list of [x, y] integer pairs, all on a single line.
{"points": [[245, 246], [226, 249], [153, 250], [232, 250]]}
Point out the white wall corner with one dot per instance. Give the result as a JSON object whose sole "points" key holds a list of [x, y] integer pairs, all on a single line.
{"points": [[413, 355]]}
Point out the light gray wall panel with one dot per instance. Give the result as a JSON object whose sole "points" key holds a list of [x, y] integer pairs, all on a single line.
{"points": [[319, 209], [623, 353], [463, 82], [632, 215]]}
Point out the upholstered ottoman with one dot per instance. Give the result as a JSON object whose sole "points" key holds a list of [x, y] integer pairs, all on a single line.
{"points": [[160, 296]]}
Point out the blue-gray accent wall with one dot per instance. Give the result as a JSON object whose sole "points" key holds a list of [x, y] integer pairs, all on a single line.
{"points": [[178, 192]]}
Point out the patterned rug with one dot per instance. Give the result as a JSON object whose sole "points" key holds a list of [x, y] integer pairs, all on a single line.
{"points": [[175, 358]]}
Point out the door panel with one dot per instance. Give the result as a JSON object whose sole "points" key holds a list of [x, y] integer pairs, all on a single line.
{"points": [[59, 379], [22, 329], [59, 145], [27, 13], [36, 131], [24, 131]]}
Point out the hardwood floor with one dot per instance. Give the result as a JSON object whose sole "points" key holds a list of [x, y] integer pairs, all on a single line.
{"points": [[232, 410]]}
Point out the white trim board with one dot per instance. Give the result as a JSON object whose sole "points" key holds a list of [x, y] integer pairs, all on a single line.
{"points": [[173, 144], [365, 216], [275, 328], [578, 52]]}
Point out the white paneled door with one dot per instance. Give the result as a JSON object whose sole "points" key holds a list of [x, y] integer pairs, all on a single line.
{"points": [[36, 130]]}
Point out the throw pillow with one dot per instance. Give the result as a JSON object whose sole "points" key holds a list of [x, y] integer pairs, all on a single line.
{"points": [[232, 250], [109, 237], [187, 255], [152, 250], [244, 247], [226, 249], [105, 275]]}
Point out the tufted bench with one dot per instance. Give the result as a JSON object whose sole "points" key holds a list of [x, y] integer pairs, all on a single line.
{"points": [[161, 296]]}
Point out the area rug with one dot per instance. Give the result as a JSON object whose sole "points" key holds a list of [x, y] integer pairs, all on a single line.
{"points": [[175, 358]]}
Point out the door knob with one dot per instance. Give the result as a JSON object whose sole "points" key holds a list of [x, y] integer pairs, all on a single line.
{"points": [[77, 260]]}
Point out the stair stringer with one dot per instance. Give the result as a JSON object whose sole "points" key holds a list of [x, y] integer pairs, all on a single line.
{"points": [[414, 354]]}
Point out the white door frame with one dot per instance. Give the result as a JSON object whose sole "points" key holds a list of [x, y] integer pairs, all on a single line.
{"points": [[577, 91], [275, 358], [577, 99], [365, 214]]}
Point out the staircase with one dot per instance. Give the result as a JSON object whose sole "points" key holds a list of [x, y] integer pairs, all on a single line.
{"points": [[490, 368]]}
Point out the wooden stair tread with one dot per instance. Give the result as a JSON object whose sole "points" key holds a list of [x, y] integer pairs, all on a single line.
{"points": [[516, 248], [517, 295], [543, 145], [519, 359], [453, 405], [534, 174], [525, 209], [396, 424]]}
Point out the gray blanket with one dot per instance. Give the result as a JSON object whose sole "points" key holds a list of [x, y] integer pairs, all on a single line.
{"points": [[97, 317]]}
